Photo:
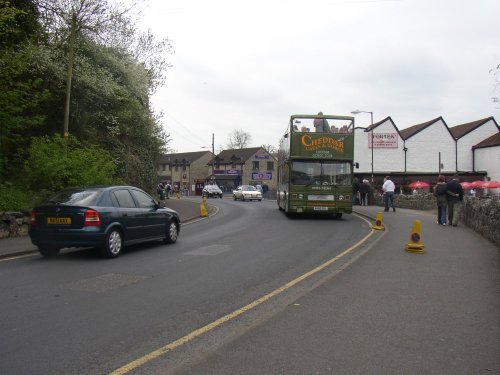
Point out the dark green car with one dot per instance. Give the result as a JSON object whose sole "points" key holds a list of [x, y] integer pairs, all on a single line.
{"points": [[105, 217]]}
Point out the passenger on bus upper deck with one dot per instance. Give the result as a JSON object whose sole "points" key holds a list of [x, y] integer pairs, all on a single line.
{"points": [[321, 125]]}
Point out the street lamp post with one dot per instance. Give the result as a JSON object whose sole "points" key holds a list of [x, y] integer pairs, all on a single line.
{"points": [[213, 159], [212, 176], [357, 112]]}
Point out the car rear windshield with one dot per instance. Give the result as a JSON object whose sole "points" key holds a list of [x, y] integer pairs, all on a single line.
{"points": [[75, 197]]}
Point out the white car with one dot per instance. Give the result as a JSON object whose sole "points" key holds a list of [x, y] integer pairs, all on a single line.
{"points": [[247, 192]]}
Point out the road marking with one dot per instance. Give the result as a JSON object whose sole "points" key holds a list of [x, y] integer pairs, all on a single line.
{"points": [[200, 331], [203, 218], [19, 256]]}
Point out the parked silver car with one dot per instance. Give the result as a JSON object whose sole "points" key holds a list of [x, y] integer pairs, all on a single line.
{"points": [[247, 192]]}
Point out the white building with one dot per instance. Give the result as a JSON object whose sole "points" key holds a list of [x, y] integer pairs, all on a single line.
{"points": [[429, 147], [425, 150], [387, 152], [469, 135], [486, 156]]}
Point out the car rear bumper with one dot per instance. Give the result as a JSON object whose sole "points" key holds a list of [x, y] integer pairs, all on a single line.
{"points": [[251, 197], [67, 238]]}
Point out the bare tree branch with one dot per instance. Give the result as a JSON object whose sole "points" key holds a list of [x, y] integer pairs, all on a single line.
{"points": [[239, 139]]}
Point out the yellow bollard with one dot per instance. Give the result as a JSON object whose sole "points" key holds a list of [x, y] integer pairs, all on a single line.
{"points": [[203, 210], [378, 222], [415, 245], [178, 195], [204, 199]]}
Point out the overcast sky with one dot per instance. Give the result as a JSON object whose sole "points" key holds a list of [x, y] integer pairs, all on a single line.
{"points": [[251, 64]]}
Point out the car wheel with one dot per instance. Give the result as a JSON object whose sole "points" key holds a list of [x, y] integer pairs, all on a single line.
{"points": [[113, 245], [243, 198], [172, 232], [338, 215], [220, 196], [234, 196], [48, 251], [260, 200]]}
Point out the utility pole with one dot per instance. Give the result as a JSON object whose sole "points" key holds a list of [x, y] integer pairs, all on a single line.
{"points": [[213, 158], [69, 76]]}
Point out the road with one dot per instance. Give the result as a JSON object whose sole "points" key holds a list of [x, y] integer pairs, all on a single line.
{"points": [[80, 314]]}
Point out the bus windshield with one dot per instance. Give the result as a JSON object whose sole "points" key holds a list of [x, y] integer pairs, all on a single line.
{"points": [[319, 172]]}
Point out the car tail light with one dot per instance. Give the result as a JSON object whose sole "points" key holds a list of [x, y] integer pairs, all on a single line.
{"points": [[92, 219], [33, 217]]}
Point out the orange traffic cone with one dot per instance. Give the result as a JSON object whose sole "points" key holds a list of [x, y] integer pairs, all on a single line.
{"points": [[378, 222], [415, 245]]}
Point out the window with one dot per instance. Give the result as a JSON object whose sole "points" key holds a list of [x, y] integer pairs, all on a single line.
{"points": [[144, 200], [255, 165], [76, 197], [124, 199], [321, 173], [270, 166]]}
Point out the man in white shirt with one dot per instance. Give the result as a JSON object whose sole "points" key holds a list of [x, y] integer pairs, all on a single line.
{"points": [[388, 189]]}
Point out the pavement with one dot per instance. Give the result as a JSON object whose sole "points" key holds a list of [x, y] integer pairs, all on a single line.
{"points": [[389, 312]]}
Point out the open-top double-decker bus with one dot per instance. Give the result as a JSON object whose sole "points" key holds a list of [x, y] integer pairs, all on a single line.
{"points": [[315, 165]]}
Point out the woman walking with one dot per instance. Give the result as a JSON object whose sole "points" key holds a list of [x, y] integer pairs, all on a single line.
{"points": [[440, 194]]}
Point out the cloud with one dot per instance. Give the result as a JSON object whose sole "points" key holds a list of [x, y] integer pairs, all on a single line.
{"points": [[251, 65]]}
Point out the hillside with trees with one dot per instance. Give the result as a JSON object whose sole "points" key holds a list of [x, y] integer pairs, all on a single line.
{"points": [[76, 78]]}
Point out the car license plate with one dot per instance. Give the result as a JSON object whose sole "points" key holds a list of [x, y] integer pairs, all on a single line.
{"points": [[59, 220], [320, 208]]}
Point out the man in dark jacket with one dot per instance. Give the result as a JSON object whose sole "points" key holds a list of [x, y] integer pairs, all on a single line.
{"points": [[364, 189], [455, 196]]}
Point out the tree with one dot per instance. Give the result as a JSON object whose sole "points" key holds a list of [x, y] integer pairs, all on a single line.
{"points": [[98, 20], [270, 149], [239, 139], [54, 163], [496, 85], [22, 91], [67, 18], [110, 91]]}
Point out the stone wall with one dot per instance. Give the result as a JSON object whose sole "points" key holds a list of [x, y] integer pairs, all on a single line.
{"points": [[483, 215], [14, 224], [423, 202]]}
